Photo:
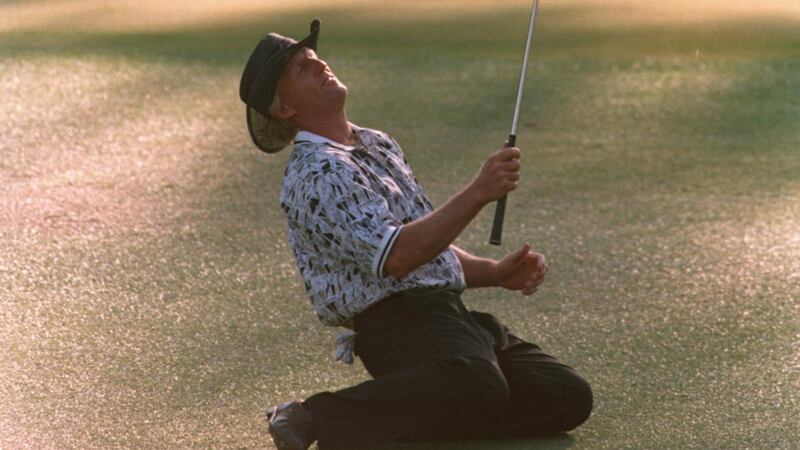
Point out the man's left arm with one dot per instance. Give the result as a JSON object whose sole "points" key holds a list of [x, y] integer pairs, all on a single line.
{"points": [[521, 271]]}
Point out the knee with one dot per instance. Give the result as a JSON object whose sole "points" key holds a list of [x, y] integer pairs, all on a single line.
{"points": [[480, 383], [579, 402], [556, 407]]}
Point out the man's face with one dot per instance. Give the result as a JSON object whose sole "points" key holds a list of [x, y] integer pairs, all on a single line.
{"points": [[309, 87]]}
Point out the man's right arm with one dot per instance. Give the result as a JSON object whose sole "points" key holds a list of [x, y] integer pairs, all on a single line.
{"points": [[424, 239]]}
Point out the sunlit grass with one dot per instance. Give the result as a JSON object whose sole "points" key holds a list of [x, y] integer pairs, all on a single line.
{"points": [[150, 297], [153, 15]]}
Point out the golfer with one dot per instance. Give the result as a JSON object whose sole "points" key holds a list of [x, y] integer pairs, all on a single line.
{"points": [[377, 258]]}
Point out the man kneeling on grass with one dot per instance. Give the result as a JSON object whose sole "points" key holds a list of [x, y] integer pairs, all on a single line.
{"points": [[378, 259]]}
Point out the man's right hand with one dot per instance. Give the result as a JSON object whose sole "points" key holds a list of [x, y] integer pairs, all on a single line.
{"points": [[497, 177]]}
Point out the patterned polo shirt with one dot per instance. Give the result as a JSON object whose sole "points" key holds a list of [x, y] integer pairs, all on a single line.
{"points": [[345, 206]]}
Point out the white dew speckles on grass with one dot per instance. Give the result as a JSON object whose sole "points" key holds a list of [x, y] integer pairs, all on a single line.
{"points": [[149, 298]]}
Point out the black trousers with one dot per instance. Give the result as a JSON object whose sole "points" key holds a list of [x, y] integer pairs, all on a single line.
{"points": [[442, 372]]}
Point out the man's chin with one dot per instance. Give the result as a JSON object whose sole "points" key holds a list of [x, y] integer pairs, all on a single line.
{"points": [[341, 87], [339, 95]]}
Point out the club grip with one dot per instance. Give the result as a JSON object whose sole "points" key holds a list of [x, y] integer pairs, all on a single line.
{"points": [[500, 208], [497, 226]]}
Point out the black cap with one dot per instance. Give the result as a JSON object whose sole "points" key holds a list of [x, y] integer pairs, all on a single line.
{"points": [[260, 80]]}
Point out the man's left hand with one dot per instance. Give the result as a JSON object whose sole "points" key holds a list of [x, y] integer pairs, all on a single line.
{"points": [[522, 270]]}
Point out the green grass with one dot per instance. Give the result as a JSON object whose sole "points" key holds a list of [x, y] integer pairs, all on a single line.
{"points": [[150, 298]]}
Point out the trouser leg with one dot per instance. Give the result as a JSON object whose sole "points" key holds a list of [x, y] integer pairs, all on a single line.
{"points": [[411, 400], [430, 360], [546, 396]]}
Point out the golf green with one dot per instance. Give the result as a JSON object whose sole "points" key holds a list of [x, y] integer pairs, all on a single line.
{"points": [[150, 298]]}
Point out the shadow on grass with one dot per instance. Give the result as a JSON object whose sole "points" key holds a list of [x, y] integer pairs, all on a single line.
{"points": [[356, 32], [740, 139]]}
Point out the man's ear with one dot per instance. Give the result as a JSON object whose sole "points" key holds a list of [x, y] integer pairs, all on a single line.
{"points": [[283, 111]]}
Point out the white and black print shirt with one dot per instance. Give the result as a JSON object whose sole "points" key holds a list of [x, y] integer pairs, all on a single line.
{"points": [[345, 206]]}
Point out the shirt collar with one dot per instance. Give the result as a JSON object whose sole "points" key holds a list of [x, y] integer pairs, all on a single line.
{"points": [[304, 136]]}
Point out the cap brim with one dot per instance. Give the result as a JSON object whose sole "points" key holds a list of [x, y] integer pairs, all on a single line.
{"points": [[262, 132], [311, 40]]}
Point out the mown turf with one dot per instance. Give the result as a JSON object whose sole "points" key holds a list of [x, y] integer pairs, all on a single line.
{"points": [[150, 298]]}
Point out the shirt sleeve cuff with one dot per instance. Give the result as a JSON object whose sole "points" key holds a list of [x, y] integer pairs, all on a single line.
{"points": [[383, 250]]}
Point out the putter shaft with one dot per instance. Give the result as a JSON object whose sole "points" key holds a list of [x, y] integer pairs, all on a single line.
{"points": [[499, 213]]}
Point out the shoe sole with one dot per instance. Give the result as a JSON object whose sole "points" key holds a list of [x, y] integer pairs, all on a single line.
{"points": [[277, 439]]}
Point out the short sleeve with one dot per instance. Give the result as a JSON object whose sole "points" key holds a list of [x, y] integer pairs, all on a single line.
{"points": [[347, 216]]}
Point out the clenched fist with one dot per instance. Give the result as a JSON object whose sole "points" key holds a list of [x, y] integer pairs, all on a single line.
{"points": [[522, 271]]}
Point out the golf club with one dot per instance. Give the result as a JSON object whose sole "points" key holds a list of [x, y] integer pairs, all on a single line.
{"points": [[500, 209]]}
